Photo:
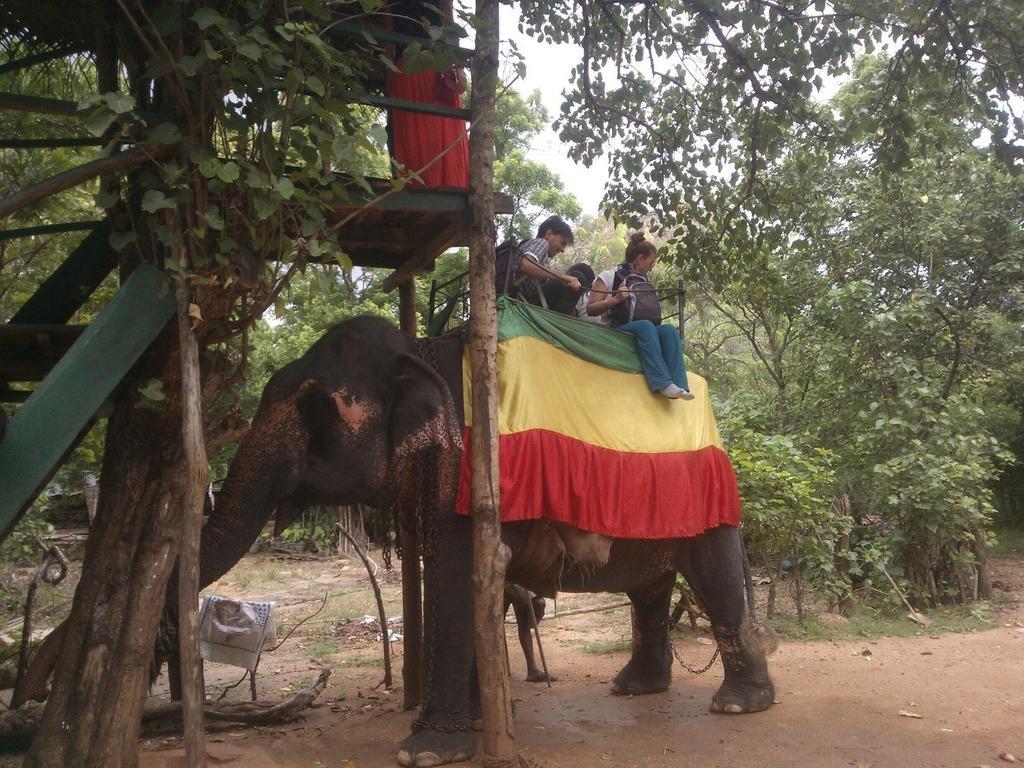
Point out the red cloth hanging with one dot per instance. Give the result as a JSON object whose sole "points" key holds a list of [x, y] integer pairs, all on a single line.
{"points": [[419, 138]]}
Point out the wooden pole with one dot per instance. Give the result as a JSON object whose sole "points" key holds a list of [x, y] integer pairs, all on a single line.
{"points": [[490, 556], [412, 600], [195, 483]]}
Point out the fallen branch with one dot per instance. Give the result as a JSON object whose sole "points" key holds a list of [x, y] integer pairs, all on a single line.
{"points": [[578, 611], [18, 726], [252, 712]]}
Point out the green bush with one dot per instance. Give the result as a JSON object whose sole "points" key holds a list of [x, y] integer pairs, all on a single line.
{"points": [[789, 522]]}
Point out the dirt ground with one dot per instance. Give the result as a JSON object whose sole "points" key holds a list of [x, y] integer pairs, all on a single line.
{"points": [[949, 699]]}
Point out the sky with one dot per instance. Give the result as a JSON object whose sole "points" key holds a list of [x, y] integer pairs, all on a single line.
{"points": [[547, 70]]}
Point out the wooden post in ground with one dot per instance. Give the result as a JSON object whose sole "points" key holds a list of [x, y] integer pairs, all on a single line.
{"points": [[490, 556], [412, 602], [195, 481]]}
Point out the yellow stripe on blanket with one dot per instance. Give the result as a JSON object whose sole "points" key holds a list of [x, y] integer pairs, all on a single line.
{"points": [[543, 387]]}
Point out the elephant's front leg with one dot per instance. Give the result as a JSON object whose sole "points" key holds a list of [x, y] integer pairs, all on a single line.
{"points": [[713, 564], [650, 668], [443, 733]]}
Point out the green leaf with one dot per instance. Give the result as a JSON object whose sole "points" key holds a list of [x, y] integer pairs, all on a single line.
{"points": [[119, 102], [99, 121], [107, 199], [229, 172], [118, 240], [154, 200], [209, 167], [314, 84], [153, 390], [265, 206], [250, 49], [213, 218], [285, 188], [207, 17], [165, 133], [211, 53], [190, 65]]}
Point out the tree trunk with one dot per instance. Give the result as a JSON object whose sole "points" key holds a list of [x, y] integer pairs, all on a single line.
{"points": [[984, 571], [490, 556], [93, 713], [196, 478]]}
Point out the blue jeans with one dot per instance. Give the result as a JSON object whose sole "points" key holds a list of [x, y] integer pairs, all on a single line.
{"points": [[661, 353]]}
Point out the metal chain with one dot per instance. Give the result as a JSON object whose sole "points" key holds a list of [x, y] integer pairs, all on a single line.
{"points": [[690, 669], [421, 725], [668, 623], [426, 516]]}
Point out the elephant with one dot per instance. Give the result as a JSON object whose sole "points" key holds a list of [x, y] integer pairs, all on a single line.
{"points": [[361, 417]]}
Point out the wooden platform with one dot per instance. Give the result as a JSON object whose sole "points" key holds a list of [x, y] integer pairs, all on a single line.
{"points": [[406, 230]]}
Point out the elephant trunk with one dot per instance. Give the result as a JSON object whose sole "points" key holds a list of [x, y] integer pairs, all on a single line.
{"points": [[262, 474]]}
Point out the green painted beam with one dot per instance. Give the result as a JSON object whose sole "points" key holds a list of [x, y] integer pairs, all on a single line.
{"points": [[74, 141], [49, 229], [407, 200], [375, 35], [415, 198], [47, 425], [409, 106], [39, 58], [68, 288], [24, 103]]}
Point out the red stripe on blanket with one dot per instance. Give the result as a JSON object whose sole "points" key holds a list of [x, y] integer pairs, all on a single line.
{"points": [[641, 495]]}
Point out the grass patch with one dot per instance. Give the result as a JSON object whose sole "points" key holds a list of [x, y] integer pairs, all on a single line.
{"points": [[352, 603], [364, 661], [1009, 541], [809, 629], [258, 574], [867, 623], [322, 650], [603, 647]]}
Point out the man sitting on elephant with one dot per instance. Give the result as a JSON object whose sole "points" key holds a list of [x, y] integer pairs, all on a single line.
{"points": [[532, 279]]}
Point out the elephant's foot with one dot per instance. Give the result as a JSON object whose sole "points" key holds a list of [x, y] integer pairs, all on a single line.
{"points": [[426, 748], [644, 675], [540, 677], [741, 698]]}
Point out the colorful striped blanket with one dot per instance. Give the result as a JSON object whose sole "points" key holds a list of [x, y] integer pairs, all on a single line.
{"points": [[583, 441]]}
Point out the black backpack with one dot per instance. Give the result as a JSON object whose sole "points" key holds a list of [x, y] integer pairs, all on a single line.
{"points": [[643, 301], [503, 260]]}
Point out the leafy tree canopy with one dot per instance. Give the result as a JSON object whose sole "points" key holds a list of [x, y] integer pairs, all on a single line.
{"points": [[694, 100]]}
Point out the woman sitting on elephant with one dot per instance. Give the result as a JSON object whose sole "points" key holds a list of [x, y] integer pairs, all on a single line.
{"points": [[624, 299]]}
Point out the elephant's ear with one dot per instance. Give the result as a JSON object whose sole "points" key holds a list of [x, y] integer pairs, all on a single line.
{"points": [[426, 445], [421, 413]]}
